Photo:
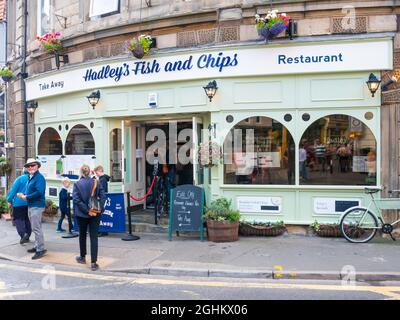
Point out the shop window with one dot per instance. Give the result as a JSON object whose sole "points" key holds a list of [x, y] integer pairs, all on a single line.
{"points": [[104, 8], [259, 150], [338, 150], [50, 143], [80, 142], [116, 155]]}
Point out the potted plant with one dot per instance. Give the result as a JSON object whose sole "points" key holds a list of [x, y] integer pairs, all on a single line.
{"points": [[209, 154], [50, 210], [222, 221], [272, 24], [140, 46], [6, 74], [4, 210], [326, 229], [263, 229]]}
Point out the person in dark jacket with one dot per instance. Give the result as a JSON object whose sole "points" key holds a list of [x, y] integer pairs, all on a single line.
{"points": [[20, 207], [103, 178], [82, 198], [63, 199], [36, 197]]}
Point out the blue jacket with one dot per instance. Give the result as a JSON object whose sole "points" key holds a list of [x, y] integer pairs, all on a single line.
{"points": [[19, 186], [82, 194], [36, 191], [63, 199]]}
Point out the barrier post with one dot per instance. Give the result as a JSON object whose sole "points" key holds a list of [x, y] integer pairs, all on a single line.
{"points": [[129, 236]]}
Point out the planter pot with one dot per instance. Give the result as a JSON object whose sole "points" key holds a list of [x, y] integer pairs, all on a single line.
{"points": [[329, 231], [6, 78], [222, 231], [262, 231], [6, 216], [138, 52]]}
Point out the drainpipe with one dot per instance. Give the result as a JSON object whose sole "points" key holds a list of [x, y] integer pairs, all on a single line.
{"points": [[23, 73]]}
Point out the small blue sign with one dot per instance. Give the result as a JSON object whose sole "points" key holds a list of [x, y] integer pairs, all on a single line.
{"points": [[113, 218]]}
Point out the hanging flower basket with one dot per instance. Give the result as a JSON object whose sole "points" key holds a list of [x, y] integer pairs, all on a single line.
{"points": [[209, 154], [272, 24], [50, 42], [140, 46], [6, 74]]}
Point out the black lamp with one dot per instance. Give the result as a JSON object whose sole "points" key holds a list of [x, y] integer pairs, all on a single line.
{"points": [[94, 98], [373, 84], [211, 89], [32, 106]]}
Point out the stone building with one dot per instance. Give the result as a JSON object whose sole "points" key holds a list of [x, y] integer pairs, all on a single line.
{"points": [[95, 32]]}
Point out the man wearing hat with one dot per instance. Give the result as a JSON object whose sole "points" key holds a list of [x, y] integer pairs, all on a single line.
{"points": [[35, 196]]}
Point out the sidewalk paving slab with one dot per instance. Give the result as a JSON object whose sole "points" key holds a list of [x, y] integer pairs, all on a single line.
{"points": [[285, 257]]}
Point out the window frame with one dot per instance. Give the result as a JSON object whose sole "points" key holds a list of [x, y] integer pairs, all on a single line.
{"points": [[41, 136], [117, 11], [39, 22], [68, 135]]}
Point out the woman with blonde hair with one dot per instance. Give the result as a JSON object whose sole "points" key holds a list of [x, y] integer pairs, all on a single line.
{"points": [[86, 192]]}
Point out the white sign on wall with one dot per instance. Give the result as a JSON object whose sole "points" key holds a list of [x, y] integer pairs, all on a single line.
{"points": [[240, 62], [259, 204], [334, 205]]}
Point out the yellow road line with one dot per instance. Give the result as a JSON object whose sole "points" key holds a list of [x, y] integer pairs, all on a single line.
{"points": [[389, 291]]}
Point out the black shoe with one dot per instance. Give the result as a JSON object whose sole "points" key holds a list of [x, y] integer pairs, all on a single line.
{"points": [[95, 267], [39, 254], [24, 239], [80, 260], [33, 250]]}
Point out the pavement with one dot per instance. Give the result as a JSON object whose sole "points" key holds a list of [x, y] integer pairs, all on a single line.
{"points": [[285, 257]]}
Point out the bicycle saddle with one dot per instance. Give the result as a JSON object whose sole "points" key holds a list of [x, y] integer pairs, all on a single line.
{"points": [[370, 190]]}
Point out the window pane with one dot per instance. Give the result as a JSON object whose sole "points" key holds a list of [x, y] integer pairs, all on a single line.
{"points": [[259, 150], [50, 143], [43, 23], [102, 7], [116, 155], [80, 142], [338, 150]]}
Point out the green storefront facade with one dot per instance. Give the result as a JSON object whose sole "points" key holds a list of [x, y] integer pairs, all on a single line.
{"points": [[297, 97]]}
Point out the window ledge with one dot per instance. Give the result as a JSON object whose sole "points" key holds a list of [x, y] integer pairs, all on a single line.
{"points": [[292, 187]]}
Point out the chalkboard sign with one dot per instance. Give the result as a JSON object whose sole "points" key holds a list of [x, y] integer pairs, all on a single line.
{"points": [[186, 210]]}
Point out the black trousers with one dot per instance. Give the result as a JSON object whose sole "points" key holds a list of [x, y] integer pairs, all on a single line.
{"points": [[22, 222], [93, 224]]}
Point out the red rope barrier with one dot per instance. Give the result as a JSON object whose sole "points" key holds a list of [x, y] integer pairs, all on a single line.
{"points": [[147, 194]]}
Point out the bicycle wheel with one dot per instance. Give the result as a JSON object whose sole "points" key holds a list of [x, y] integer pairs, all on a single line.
{"points": [[359, 225]]}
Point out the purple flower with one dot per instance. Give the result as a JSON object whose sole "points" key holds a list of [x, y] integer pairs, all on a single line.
{"points": [[277, 28]]}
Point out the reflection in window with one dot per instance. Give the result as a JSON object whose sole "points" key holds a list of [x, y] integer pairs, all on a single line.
{"points": [[50, 143], [80, 141], [116, 155], [43, 17], [259, 150], [338, 150]]}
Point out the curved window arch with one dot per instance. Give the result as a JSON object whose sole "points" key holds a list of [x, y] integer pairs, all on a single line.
{"points": [[80, 141], [50, 143], [338, 150], [259, 150]]}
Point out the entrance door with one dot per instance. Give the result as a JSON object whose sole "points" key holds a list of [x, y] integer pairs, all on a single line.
{"points": [[198, 171], [135, 160]]}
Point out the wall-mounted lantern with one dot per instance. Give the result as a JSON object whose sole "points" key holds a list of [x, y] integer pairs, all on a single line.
{"points": [[374, 83], [31, 107], [211, 89], [94, 98]]}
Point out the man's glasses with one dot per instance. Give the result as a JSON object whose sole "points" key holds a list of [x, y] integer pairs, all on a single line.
{"points": [[31, 165]]}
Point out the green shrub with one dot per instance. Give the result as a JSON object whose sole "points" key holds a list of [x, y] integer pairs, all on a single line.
{"points": [[221, 210], [3, 205]]}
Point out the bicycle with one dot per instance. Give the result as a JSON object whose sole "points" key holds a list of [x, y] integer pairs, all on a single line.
{"points": [[161, 199], [360, 224]]}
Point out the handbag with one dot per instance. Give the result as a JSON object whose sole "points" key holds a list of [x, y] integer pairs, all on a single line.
{"points": [[94, 202]]}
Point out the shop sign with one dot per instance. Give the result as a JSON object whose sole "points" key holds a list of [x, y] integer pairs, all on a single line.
{"points": [[113, 218], [261, 61], [259, 204], [334, 205]]}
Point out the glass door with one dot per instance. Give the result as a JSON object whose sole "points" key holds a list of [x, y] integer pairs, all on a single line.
{"points": [[198, 170]]}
